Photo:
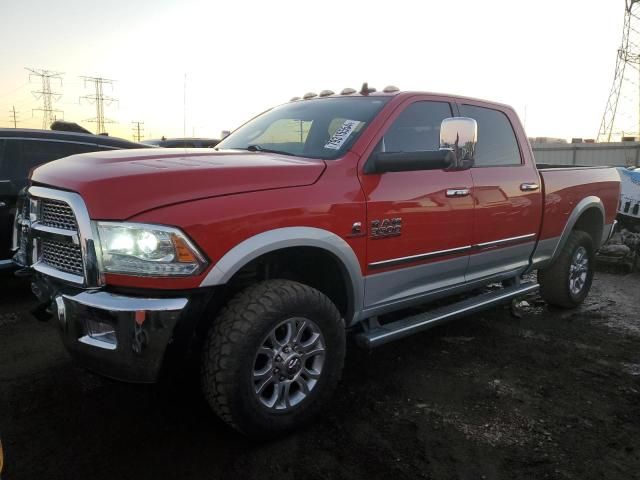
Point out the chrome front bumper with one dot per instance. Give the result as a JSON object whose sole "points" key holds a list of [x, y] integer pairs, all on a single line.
{"points": [[118, 336]]}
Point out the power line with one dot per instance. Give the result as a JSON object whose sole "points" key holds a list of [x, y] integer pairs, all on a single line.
{"points": [[99, 99], [47, 96], [138, 131], [621, 116], [13, 116]]}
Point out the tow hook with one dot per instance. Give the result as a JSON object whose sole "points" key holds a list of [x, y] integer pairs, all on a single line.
{"points": [[43, 311]]}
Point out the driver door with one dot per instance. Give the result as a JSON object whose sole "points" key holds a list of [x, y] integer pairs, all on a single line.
{"points": [[420, 222]]}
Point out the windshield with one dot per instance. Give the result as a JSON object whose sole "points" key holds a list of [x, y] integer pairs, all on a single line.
{"points": [[321, 128]]}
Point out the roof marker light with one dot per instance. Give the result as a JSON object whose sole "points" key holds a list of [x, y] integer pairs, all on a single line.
{"points": [[294, 99], [391, 89], [326, 93], [309, 95], [347, 91]]}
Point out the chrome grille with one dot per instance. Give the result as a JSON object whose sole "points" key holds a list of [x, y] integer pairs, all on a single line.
{"points": [[58, 214], [66, 257], [55, 238]]}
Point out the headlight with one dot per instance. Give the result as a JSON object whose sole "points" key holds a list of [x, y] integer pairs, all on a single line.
{"points": [[150, 250]]}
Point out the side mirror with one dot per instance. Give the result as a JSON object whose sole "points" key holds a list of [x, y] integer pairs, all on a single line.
{"points": [[460, 135], [410, 161]]}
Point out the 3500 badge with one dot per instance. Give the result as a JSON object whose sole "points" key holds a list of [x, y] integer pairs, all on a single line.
{"points": [[387, 227]]}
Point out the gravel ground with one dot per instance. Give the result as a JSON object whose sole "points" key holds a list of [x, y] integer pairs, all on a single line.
{"points": [[554, 394]]}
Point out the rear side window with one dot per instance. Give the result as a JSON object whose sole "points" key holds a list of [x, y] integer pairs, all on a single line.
{"points": [[497, 144], [417, 128], [36, 152]]}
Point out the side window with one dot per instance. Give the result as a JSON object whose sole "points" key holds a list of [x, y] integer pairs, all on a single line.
{"points": [[3, 169], [417, 128], [36, 152], [497, 144], [11, 159]]}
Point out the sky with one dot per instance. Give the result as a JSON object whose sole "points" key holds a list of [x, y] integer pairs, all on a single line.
{"points": [[198, 67]]}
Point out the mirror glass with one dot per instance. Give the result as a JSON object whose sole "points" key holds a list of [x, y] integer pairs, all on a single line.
{"points": [[459, 134]]}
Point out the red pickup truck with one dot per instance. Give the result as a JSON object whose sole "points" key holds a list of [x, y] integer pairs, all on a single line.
{"points": [[312, 221]]}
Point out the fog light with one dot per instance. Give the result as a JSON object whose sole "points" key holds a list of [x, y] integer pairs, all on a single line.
{"points": [[100, 334]]}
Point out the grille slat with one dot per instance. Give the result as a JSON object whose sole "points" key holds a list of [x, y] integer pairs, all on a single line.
{"points": [[58, 214], [66, 257]]}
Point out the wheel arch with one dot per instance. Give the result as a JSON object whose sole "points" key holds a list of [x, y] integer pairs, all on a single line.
{"points": [[588, 216], [290, 239]]}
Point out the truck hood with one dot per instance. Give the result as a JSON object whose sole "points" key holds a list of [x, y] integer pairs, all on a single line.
{"points": [[118, 184]]}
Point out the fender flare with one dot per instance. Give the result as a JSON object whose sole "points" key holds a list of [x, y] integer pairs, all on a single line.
{"points": [[582, 206], [277, 239]]}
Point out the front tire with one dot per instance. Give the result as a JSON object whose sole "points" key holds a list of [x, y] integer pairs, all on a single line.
{"points": [[273, 358], [566, 283]]}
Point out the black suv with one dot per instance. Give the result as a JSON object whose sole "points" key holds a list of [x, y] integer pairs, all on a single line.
{"points": [[182, 142], [23, 149]]}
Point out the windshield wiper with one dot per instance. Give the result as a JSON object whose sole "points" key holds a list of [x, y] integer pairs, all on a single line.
{"points": [[260, 148]]}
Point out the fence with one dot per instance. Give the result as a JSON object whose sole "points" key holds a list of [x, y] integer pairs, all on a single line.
{"points": [[623, 154]]}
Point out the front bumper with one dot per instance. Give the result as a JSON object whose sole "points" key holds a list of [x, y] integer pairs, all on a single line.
{"points": [[142, 330]]}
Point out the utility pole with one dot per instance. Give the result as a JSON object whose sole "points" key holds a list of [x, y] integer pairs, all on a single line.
{"points": [[13, 116], [99, 100], [138, 131], [45, 93], [622, 112]]}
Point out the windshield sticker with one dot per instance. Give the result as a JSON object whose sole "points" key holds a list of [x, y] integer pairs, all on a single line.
{"points": [[342, 134]]}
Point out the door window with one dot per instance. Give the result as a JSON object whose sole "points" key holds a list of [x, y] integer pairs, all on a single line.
{"points": [[36, 152], [417, 128], [497, 144]]}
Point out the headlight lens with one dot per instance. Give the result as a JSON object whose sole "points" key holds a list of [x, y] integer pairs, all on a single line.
{"points": [[152, 250]]}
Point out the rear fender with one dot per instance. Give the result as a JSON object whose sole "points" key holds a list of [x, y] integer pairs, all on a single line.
{"points": [[548, 250]]}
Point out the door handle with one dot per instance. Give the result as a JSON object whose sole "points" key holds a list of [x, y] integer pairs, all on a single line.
{"points": [[457, 192], [529, 187]]}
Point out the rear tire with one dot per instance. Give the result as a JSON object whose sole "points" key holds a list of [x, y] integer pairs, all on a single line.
{"points": [[566, 283], [273, 358]]}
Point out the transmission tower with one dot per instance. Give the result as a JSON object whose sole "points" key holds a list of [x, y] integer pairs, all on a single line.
{"points": [[47, 96], [99, 99], [622, 114], [13, 116], [138, 131]]}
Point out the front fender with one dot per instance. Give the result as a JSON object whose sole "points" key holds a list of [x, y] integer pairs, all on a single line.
{"points": [[281, 238]]}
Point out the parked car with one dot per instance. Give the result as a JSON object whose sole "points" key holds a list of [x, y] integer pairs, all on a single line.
{"points": [[629, 206], [182, 142], [21, 150], [310, 222]]}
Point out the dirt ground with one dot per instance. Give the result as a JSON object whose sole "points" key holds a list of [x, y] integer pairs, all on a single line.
{"points": [[554, 394]]}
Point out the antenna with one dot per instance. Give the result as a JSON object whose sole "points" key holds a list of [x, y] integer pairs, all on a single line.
{"points": [[47, 96], [13, 116], [138, 131], [366, 90], [99, 99], [622, 113]]}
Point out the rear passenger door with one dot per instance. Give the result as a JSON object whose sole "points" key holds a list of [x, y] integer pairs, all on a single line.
{"points": [[506, 195]]}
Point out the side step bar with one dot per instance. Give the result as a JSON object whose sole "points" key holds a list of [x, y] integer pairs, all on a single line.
{"points": [[381, 334]]}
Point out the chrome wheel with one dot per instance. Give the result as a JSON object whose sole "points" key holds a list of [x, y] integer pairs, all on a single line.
{"points": [[578, 270], [288, 364]]}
